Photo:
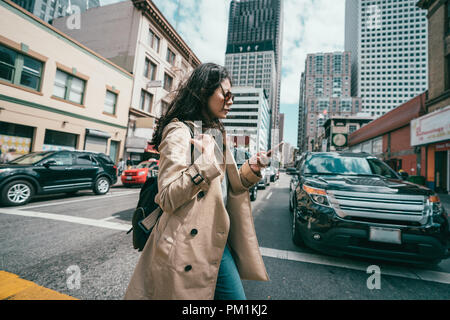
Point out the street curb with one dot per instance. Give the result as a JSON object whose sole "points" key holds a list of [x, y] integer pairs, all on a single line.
{"points": [[12, 287]]}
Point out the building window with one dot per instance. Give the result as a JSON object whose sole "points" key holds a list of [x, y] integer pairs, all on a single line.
{"points": [[168, 81], [146, 101], [351, 128], [149, 69], [170, 57], [20, 69], [154, 41], [110, 102], [69, 87]]}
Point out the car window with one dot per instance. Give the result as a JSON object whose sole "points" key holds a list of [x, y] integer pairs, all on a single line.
{"points": [[30, 158], [382, 169], [84, 159], [62, 159], [103, 159]]}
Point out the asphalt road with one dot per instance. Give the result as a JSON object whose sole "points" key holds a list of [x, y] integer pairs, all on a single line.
{"points": [[77, 245]]}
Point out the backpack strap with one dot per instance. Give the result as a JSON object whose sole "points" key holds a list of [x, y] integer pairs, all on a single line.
{"points": [[149, 222]]}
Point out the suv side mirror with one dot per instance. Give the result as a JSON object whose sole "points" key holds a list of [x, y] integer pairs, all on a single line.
{"points": [[49, 163], [404, 175]]}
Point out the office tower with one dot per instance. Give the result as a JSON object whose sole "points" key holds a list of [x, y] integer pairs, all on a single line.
{"points": [[48, 10], [253, 54], [388, 42], [324, 91], [248, 122]]}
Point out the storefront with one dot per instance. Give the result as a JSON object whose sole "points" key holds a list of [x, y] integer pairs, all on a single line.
{"points": [[431, 132], [96, 141], [57, 140]]}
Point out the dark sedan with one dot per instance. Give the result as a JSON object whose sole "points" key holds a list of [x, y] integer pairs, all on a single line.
{"points": [[55, 172]]}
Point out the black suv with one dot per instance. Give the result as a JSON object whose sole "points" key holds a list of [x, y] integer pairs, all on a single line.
{"points": [[354, 203], [55, 172]]}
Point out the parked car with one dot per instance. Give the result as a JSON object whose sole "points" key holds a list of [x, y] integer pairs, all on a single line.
{"points": [[291, 171], [240, 156], [137, 175], [273, 173], [354, 203], [55, 172], [265, 180]]}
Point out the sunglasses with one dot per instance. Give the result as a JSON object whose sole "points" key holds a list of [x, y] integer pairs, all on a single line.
{"points": [[227, 96]]}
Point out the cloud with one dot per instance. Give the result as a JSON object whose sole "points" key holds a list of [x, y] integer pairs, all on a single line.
{"points": [[309, 27], [202, 24]]}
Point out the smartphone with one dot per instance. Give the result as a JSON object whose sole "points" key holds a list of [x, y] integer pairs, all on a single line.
{"points": [[269, 153]]}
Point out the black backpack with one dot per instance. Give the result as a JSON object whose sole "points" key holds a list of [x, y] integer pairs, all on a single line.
{"points": [[147, 212], [146, 215]]}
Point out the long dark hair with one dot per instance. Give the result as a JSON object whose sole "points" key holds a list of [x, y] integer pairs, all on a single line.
{"points": [[191, 100]]}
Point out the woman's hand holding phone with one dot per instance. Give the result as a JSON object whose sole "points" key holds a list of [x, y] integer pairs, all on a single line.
{"points": [[262, 159]]}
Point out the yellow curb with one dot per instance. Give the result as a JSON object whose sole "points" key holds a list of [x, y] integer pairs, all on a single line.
{"points": [[12, 287]]}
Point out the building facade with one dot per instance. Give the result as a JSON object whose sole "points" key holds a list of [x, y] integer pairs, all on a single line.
{"points": [[135, 35], [254, 48], [324, 92], [389, 139], [432, 131], [48, 10], [71, 98], [248, 122], [388, 43], [337, 130]]}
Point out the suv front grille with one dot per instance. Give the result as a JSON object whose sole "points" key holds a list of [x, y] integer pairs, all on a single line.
{"points": [[399, 209]]}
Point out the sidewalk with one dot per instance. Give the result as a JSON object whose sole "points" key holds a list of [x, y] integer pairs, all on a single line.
{"points": [[14, 288]]}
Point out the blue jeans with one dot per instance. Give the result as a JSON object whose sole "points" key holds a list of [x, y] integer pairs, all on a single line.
{"points": [[229, 285]]}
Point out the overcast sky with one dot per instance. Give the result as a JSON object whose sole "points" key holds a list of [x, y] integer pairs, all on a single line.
{"points": [[310, 26]]}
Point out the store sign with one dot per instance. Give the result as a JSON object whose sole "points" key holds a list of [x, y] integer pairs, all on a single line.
{"points": [[21, 145], [430, 128]]}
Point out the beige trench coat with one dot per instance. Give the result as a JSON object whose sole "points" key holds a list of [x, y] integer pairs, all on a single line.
{"points": [[181, 259]]}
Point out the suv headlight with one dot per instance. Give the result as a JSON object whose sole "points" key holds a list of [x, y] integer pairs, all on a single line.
{"points": [[436, 207], [318, 196], [141, 173]]}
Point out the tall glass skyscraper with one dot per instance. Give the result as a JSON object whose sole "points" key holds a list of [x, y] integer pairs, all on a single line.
{"points": [[253, 54], [388, 44]]}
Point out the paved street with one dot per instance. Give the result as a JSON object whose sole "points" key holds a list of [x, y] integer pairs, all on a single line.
{"points": [[77, 245]]}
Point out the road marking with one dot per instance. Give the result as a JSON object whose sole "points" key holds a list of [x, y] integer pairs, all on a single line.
{"points": [[108, 218], [65, 218], [15, 288], [411, 273], [269, 195], [112, 195]]}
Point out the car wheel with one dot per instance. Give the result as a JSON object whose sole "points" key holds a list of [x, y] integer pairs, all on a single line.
{"points": [[17, 193], [102, 185], [296, 237]]}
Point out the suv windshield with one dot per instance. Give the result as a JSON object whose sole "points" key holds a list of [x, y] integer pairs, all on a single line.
{"points": [[31, 158], [331, 164], [145, 165]]}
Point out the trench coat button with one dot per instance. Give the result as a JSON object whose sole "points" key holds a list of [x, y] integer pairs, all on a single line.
{"points": [[200, 195], [194, 232], [188, 268]]}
